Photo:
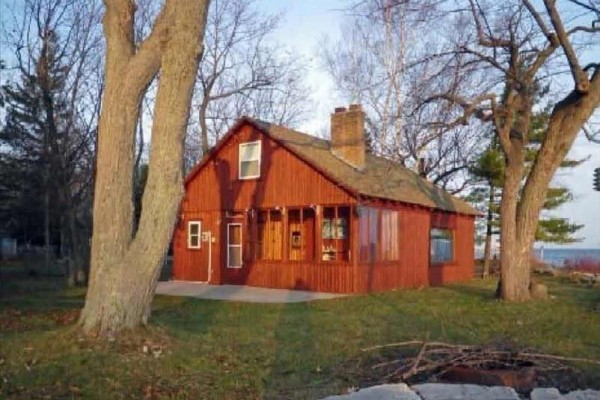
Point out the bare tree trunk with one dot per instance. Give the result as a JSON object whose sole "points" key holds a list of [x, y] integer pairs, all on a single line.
{"points": [[46, 227], [203, 125], [76, 274], [519, 212], [124, 269], [487, 252], [514, 268]]}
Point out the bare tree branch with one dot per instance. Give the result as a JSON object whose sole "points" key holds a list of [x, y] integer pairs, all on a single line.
{"points": [[579, 76]]}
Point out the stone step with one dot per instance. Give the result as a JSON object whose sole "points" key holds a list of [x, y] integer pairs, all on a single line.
{"points": [[444, 391]]}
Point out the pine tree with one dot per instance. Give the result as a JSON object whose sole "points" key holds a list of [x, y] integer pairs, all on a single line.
{"points": [[41, 152], [490, 168], [28, 142]]}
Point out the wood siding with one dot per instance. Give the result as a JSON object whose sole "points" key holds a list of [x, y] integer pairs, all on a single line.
{"points": [[411, 270], [285, 182], [216, 197], [462, 267]]}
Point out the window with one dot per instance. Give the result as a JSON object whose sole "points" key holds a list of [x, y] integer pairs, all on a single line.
{"points": [[194, 234], [368, 230], [335, 235], [442, 245], [250, 160], [269, 245], [389, 235], [301, 231], [234, 245]]}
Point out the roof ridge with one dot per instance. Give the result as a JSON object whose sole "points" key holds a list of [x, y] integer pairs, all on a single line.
{"points": [[381, 178]]}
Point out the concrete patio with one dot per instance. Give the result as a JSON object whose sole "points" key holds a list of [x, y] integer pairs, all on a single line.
{"points": [[246, 294]]}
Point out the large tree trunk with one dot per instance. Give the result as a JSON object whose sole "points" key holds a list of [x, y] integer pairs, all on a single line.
{"points": [[514, 278], [519, 212], [124, 269]]}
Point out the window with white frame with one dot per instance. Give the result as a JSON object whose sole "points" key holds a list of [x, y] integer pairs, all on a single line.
{"points": [[234, 245], [249, 167], [194, 230]]}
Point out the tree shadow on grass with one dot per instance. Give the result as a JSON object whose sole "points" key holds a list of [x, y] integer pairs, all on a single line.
{"points": [[43, 303], [185, 315], [479, 293], [295, 369]]}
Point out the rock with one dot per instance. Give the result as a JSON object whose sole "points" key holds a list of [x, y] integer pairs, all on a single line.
{"points": [[587, 277], [439, 391], [399, 391], [538, 291], [545, 394], [583, 395]]}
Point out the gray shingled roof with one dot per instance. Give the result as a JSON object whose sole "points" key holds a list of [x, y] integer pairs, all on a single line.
{"points": [[381, 178]]}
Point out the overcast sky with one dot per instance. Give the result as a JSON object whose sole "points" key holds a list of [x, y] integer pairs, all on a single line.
{"points": [[307, 22]]}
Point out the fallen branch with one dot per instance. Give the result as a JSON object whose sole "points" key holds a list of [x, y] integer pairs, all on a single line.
{"points": [[561, 358], [418, 342], [399, 344], [436, 358], [415, 365]]}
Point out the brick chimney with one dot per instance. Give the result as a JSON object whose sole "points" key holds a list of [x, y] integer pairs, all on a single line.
{"points": [[348, 135]]}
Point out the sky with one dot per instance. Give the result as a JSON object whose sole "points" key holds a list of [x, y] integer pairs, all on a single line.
{"points": [[303, 28]]}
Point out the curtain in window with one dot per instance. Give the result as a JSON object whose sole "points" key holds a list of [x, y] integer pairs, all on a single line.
{"points": [[368, 231], [270, 234], [389, 235]]}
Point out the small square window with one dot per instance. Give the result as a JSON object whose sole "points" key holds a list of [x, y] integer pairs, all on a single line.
{"points": [[194, 231], [249, 166]]}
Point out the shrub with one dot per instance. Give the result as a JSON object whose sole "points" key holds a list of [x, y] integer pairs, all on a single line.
{"points": [[589, 265]]}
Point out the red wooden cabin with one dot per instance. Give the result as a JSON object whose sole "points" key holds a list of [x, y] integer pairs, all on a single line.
{"points": [[277, 208]]}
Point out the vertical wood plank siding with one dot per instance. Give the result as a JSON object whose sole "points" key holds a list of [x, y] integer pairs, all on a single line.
{"points": [[288, 182], [411, 270], [462, 267]]}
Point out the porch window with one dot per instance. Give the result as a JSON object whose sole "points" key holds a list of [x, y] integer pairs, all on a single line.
{"points": [[194, 229], [269, 245], [441, 245], [301, 234], [335, 233], [389, 235], [368, 222], [249, 155], [234, 245]]}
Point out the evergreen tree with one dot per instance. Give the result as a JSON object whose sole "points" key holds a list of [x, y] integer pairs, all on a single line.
{"points": [[45, 158], [489, 167], [28, 143]]}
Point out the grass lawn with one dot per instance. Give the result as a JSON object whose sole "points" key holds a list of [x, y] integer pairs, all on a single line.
{"points": [[214, 349]]}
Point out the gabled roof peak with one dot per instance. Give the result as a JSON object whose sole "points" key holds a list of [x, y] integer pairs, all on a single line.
{"points": [[380, 178]]}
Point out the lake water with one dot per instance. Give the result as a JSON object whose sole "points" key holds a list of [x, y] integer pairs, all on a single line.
{"points": [[558, 256]]}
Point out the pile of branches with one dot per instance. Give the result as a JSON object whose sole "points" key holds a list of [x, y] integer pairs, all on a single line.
{"points": [[414, 359]]}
